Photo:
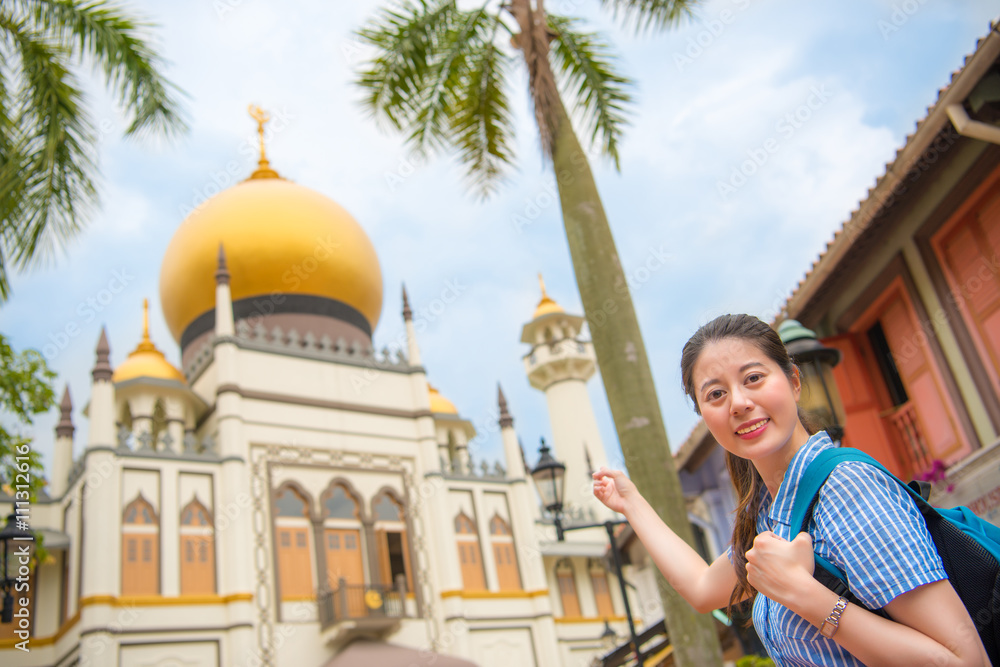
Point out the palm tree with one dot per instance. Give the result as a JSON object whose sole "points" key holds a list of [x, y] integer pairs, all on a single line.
{"points": [[47, 139], [440, 74]]}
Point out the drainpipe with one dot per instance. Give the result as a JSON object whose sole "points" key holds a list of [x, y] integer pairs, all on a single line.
{"points": [[972, 128]]}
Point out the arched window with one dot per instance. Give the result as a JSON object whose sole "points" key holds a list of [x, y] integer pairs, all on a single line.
{"points": [[342, 543], [504, 555], [197, 546], [391, 541], [469, 556], [125, 426], [140, 549], [158, 427], [292, 531], [602, 594], [453, 461], [566, 580]]}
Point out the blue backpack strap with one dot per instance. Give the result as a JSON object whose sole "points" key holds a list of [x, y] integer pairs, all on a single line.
{"points": [[814, 477], [806, 495]]}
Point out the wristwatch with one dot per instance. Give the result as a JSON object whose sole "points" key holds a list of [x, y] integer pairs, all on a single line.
{"points": [[832, 622]]}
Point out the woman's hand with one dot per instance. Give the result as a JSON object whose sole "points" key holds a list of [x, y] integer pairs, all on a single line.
{"points": [[614, 489], [778, 568]]}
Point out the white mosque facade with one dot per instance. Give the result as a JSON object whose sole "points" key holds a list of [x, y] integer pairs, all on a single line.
{"points": [[292, 490]]}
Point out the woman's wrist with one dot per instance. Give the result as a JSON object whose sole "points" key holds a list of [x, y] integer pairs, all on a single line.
{"points": [[810, 599]]}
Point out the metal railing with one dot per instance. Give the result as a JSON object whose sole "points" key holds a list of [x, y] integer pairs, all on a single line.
{"points": [[360, 601], [916, 454]]}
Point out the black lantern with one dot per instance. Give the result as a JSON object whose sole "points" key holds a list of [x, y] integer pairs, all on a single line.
{"points": [[16, 550], [550, 477], [816, 361]]}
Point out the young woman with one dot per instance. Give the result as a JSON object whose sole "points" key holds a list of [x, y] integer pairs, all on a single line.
{"points": [[743, 384]]}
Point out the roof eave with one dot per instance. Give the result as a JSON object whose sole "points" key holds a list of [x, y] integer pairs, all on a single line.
{"points": [[962, 82]]}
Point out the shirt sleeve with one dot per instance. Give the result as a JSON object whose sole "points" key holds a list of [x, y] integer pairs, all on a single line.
{"points": [[871, 529]]}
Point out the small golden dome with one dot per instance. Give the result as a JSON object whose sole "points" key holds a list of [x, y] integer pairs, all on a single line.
{"points": [[145, 360], [546, 305], [439, 403]]}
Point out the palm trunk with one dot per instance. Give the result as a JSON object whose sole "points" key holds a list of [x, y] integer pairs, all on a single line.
{"points": [[628, 381]]}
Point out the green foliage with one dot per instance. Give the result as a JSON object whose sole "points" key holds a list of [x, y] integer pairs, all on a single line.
{"points": [[586, 63], [754, 661], [649, 14], [47, 139], [441, 75], [25, 391]]}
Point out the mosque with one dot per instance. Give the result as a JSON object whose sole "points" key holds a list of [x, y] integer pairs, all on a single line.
{"points": [[290, 496]]}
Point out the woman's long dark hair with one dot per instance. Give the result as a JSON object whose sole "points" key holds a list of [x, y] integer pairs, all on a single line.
{"points": [[746, 479]]}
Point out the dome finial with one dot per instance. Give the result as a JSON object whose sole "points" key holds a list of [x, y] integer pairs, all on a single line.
{"points": [[146, 360], [263, 166], [546, 305], [145, 345]]}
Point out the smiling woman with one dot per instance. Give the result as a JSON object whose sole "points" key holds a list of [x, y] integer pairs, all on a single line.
{"points": [[745, 386]]}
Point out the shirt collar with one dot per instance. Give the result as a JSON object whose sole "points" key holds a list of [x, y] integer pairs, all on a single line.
{"points": [[781, 508]]}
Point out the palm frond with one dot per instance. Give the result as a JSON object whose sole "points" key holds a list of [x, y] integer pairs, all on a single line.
{"points": [[643, 15], [46, 186], [405, 38], [448, 65], [438, 75], [481, 122], [586, 67], [118, 45]]}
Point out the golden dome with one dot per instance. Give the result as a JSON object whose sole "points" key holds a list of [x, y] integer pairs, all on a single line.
{"points": [[546, 305], [145, 360], [279, 237], [439, 403]]}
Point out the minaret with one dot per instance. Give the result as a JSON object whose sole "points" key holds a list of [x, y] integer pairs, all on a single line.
{"points": [[511, 447], [559, 363], [101, 500], [412, 351], [62, 457], [224, 325], [102, 398], [514, 454]]}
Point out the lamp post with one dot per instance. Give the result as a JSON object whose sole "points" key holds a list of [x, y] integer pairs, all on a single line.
{"points": [[549, 477], [816, 361], [14, 555]]}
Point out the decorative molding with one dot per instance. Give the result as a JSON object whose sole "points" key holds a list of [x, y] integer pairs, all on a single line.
{"points": [[161, 601], [252, 394], [589, 619], [44, 641], [493, 595]]}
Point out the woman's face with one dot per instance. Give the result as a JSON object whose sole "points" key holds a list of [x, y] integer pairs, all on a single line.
{"points": [[747, 402]]}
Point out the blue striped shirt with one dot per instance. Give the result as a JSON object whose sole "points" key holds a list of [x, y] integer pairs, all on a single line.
{"points": [[863, 523]]}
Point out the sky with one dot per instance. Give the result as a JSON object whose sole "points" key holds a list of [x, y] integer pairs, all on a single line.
{"points": [[757, 129]]}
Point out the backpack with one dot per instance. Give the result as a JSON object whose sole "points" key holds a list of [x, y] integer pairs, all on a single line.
{"points": [[968, 545]]}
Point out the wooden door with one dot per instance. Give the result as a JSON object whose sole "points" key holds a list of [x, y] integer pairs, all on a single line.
{"points": [[936, 413], [345, 561], [295, 563], [968, 249], [864, 428]]}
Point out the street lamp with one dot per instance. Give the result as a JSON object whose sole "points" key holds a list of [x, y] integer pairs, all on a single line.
{"points": [[15, 553], [549, 477], [816, 361]]}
